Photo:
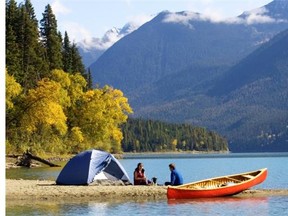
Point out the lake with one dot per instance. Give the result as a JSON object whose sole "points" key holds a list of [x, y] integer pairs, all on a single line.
{"points": [[193, 167]]}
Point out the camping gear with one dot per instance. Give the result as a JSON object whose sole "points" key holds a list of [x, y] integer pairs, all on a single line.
{"points": [[217, 187], [154, 180], [91, 165]]}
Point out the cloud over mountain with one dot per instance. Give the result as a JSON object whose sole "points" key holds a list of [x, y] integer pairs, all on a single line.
{"points": [[259, 15], [256, 16], [91, 48], [114, 34]]}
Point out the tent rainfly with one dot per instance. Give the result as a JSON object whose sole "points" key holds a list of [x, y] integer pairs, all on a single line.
{"points": [[91, 165]]}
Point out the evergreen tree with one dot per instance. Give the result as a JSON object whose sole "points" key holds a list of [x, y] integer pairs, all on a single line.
{"points": [[67, 54], [12, 48], [89, 80], [77, 64], [72, 61], [24, 54], [33, 63], [147, 135], [51, 39]]}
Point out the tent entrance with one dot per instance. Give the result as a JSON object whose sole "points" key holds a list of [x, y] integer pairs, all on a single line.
{"points": [[104, 176]]}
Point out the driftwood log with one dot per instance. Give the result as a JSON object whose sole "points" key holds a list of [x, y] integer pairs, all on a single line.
{"points": [[26, 160]]}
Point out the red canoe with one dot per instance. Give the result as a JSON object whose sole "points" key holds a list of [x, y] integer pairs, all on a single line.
{"points": [[218, 186]]}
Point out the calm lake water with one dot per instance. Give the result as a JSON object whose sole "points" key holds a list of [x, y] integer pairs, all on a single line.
{"points": [[192, 167]]}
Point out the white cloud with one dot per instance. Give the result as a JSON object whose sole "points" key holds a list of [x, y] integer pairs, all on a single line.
{"points": [[234, 20], [59, 8], [75, 31], [183, 18], [114, 34], [110, 37], [88, 43], [187, 16], [258, 16], [214, 14], [139, 20], [255, 18], [252, 17]]}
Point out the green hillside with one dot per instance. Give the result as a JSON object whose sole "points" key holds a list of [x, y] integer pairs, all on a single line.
{"points": [[155, 136]]}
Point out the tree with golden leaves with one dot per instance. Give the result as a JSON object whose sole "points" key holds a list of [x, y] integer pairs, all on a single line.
{"points": [[99, 114], [13, 89], [58, 116]]}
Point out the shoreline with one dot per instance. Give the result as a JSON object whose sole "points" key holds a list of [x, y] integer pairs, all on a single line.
{"points": [[11, 159], [31, 190]]}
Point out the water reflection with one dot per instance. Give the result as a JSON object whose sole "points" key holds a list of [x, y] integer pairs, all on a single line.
{"points": [[222, 206], [210, 206], [39, 173], [215, 200], [105, 207]]}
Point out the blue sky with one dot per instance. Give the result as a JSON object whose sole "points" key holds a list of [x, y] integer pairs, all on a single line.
{"points": [[92, 18]]}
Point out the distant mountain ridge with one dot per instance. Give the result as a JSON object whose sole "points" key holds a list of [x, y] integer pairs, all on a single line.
{"points": [[92, 49], [187, 67], [172, 42]]}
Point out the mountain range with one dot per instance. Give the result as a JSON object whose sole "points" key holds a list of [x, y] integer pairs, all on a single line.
{"points": [[227, 75], [92, 48], [247, 103]]}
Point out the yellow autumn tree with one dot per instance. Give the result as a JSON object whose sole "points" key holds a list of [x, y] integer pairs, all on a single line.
{"points": [[72, 85], [78, 84], [174, 143], [44, 105], [44, 120], [99, 114], [59, 116], [13, 89]]}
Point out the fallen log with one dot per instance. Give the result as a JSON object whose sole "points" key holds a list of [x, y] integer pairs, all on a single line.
{"points": [[13, 156], [26, 160]]}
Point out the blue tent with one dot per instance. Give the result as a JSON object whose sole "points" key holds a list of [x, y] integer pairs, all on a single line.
{"points": [[87, 166]]}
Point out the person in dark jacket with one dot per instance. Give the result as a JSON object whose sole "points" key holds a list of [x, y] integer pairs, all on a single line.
{"points": [[175, 177]]}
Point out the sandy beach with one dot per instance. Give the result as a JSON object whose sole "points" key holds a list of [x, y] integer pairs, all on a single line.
{"points": [[48, 190]]}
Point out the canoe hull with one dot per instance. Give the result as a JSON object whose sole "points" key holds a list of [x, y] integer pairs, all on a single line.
{"points": [[180, 192]]}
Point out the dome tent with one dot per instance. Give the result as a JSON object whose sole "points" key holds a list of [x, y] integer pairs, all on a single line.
{"points": [[91, 165]]}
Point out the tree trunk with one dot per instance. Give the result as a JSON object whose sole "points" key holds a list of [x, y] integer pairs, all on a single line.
{"points": [[26, 160]]}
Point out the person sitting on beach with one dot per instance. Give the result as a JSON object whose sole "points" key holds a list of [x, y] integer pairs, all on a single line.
{"points": [[139, 175], [175, 177]]}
